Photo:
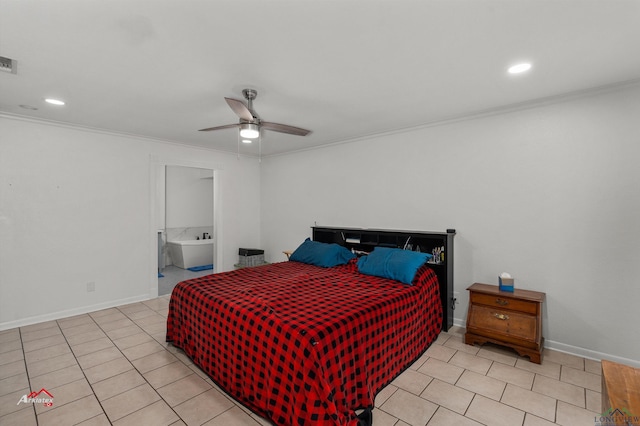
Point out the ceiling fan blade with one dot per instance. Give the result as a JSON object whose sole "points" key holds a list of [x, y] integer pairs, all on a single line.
{"points": [[240, 109], [284, 128], [226, 126]]}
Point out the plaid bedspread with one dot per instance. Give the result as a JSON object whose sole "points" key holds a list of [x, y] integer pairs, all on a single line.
{"points": [[303, 345]]}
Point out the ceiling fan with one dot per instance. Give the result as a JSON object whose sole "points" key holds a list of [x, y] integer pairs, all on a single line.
{"points": [[250, 123]]}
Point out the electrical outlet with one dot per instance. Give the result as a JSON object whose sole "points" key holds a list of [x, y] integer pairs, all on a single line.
{"points": [[456, 297], [91, 286]]}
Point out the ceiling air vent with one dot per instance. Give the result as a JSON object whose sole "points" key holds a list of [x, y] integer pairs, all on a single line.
{"points": [[8, 65]]}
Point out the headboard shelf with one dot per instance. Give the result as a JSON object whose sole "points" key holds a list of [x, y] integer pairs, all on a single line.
{"points": [[365, 240]]}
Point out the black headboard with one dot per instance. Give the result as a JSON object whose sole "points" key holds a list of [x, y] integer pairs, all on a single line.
{"points": [[365, 240]]}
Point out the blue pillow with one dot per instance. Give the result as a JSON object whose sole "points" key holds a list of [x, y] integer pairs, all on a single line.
{"points": [[321, 254], [393, 263]]}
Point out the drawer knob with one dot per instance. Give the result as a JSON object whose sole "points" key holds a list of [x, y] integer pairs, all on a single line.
{"points": [[501, 316], [502, 302]]}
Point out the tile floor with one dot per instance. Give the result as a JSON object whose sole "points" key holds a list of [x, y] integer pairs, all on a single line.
{"points": [[173, 275], [113, 367]]}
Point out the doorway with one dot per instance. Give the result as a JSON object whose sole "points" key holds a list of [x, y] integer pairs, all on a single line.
{"points": [[185, 206]]}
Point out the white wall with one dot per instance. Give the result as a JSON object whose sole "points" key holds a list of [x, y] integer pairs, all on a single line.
{"points": [[550, 194], [77, 206]]}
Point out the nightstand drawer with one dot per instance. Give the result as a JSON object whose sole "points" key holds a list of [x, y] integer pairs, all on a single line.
{"points": [[504, 302], [508, 324]]}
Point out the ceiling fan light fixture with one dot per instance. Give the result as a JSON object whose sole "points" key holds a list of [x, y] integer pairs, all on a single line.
{"points": [[519, 68], [249, 131]]}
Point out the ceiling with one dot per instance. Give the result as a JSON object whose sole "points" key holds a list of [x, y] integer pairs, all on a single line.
{"points": [[343, 69]]}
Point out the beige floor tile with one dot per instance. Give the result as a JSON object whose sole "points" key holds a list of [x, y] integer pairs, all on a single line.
{"points": [[594, 401], [118, 384], [181, 390], [492, 413], [57, 378], [75, 321], [570, 415], [72, 413], [418, 363], [142, 350], [11, 369], [11, 356], [143, 313], [444, 417], [65, 394], [9, 335], [560, 390], [384, 394], [498, 353], [511, 375], [11, 345], [440, 352], [581, 378], [547, 368], [412, 381], [25, 417], [81, 329], [99, 357], [530, 402], [564, 359], [89, 336], [409, 408], [471, 362], [531, 420], [99, 420], [234, 416], [155, 360], [484, 385], [133, 340], [592, 366], [129, 402], [112, 316], [132, 307], [13, 383], [40, 334], [39, 326], [9, 402], [150, 320], [381, 418], [155, 328], [119, 333], [457, 343], [50, 365], [447, 395], [203, 407], [50, 352], [114, 325], [92, 346], [36, 345], [441, 370], [103, 312], [156, 414], [108, 369], [167, 374]]}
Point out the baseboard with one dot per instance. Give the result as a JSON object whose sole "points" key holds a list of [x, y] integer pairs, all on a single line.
{"points": [[574, 350], [71, 312]]}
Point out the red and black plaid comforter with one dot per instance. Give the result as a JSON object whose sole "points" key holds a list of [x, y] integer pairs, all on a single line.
{"points": [[304, 345]]}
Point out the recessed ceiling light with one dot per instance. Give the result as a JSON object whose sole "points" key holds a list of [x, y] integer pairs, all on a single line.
{"points": [[246, 141], [519, 68], [54, 101]]}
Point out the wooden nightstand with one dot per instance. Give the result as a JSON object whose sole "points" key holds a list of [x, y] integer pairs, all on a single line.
{"points": [[505, 318]]}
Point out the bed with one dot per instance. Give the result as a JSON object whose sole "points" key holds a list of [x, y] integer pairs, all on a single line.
{"points": [[303, 344]]}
